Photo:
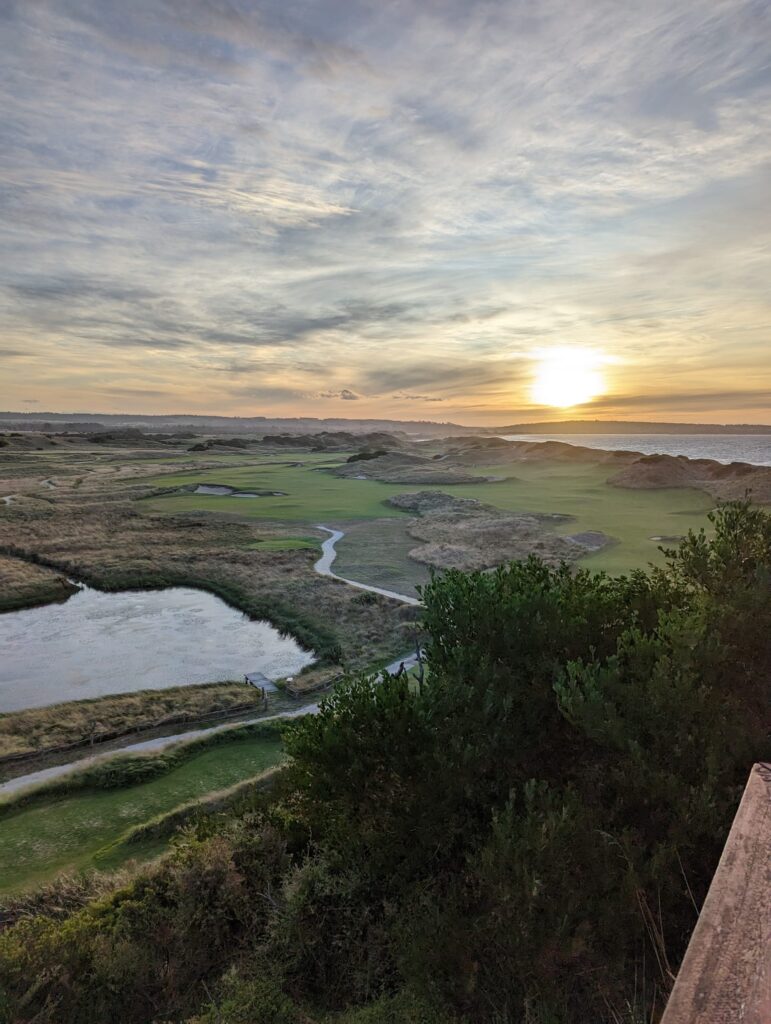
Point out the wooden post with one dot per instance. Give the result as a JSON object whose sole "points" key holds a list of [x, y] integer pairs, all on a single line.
{"points": [[725, 977]]}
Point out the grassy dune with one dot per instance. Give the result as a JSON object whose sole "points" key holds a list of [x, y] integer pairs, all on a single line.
{"points": [[67, 831]]}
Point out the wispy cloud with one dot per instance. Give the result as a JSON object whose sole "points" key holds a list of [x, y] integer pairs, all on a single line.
{"points": [[233, 205]]}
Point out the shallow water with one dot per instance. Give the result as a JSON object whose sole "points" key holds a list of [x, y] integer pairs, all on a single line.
{"points": [[97, 643], [754, 448], [158, 743]]}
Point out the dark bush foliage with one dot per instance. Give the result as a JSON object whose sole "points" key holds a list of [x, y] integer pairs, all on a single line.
{"points": [[525, 838]]}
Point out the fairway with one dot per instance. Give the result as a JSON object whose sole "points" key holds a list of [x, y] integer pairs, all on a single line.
{"points": [[67, 832], [630, 517]]}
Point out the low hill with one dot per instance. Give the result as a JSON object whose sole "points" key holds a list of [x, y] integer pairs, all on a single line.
{"points": [[724, 482], [463, 533]]}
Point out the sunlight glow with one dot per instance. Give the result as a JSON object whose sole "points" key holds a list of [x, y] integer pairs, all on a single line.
{"points": [[567, 376]]}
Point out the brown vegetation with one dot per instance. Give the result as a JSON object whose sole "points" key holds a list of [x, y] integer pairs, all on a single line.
{"points": [[23, 584], [89, 526], [406, 468], [463, 533], [727, 483], [61, 726]]}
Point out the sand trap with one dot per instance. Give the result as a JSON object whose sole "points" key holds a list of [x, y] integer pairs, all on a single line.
{"points": [[223, 491]]}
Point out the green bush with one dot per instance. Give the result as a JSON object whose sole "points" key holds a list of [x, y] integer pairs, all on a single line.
{"points": [[525, 839], [251, 1000]]}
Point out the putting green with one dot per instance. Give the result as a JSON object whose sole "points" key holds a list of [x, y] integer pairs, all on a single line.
{"points": [[67, 832], [631, 517]]}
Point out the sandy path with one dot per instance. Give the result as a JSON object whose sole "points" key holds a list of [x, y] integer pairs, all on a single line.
{"points": [[328, 555]]}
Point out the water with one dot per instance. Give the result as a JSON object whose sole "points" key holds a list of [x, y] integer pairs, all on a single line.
{"points": [[97, 643], [161, 742], [754, 448]]}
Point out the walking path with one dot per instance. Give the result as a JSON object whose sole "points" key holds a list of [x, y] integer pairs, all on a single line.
{"points": [[323, 566], [328, 555]]}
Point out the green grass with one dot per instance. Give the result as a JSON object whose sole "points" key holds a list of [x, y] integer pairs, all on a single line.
{"points": [[67, 832], [632, 517], [311, 496]]}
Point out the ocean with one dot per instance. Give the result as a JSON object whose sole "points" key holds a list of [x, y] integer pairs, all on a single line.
{"points": [[754, 448]]}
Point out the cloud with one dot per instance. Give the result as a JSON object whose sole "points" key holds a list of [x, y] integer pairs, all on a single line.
{"points": [[700, 401], [407, 199], [345, 394], [406, 397]]}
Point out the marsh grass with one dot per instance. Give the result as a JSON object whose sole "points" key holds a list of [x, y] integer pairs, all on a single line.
{"points": [[23, 584], [56, 727]]}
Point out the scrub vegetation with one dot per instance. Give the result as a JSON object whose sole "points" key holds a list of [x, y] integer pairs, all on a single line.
{"points": [[525, 837]]}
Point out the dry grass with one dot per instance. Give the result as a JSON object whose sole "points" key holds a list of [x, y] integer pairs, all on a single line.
{"points": [[314, 678], [41, 730], [23, 584], [97, 531]]}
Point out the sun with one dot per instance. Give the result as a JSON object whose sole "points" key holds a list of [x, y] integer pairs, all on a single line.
{"points": [[567, 376]]}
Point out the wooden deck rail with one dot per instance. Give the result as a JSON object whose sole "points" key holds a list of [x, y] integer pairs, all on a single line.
{"points": [[725, 977]]}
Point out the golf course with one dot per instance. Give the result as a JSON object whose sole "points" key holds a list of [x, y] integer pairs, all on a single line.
{"points": [[630, 518]]}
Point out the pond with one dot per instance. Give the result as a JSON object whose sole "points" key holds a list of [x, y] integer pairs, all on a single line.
{"points": [[98, 643]]}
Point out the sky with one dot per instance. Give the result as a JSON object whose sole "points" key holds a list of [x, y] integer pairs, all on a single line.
{"points": [[484, 212]]}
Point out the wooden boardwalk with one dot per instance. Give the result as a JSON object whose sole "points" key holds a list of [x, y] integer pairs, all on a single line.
{"points": [[259, 680], [725, 977]]}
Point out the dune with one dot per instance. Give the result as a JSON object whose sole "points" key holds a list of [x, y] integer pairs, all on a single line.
{"points": [[724, 482], [463, 533]]}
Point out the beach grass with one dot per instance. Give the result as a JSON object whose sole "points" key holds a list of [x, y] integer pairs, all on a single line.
{"points": [[36, 731]]}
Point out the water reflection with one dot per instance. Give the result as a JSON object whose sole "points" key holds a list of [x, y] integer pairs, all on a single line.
{"points": [[98, 643]]}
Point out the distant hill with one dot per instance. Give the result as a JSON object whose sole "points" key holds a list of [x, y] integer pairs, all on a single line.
{"points": [[80, 421]]}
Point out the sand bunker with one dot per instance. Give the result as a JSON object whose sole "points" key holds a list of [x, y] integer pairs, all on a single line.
{"points": [[222, 490]]}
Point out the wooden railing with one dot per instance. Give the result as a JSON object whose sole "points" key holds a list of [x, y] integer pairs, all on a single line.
{"points": [[725, 977]]}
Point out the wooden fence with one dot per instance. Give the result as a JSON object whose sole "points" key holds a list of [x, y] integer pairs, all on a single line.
{"points": [[725, 977]]}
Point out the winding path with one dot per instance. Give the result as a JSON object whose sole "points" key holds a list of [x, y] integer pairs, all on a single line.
{"points": [[329, 554], [324, 567]]}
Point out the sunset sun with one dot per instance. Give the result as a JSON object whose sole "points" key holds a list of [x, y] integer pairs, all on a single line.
{"points": [[565, 377]]}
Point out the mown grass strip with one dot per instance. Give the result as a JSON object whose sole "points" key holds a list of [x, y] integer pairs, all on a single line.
{"points": [[65, 831], [155, 832], [120, 771]]}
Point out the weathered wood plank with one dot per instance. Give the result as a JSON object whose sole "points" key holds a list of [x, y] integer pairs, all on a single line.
{"points": [[725, 977]]}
